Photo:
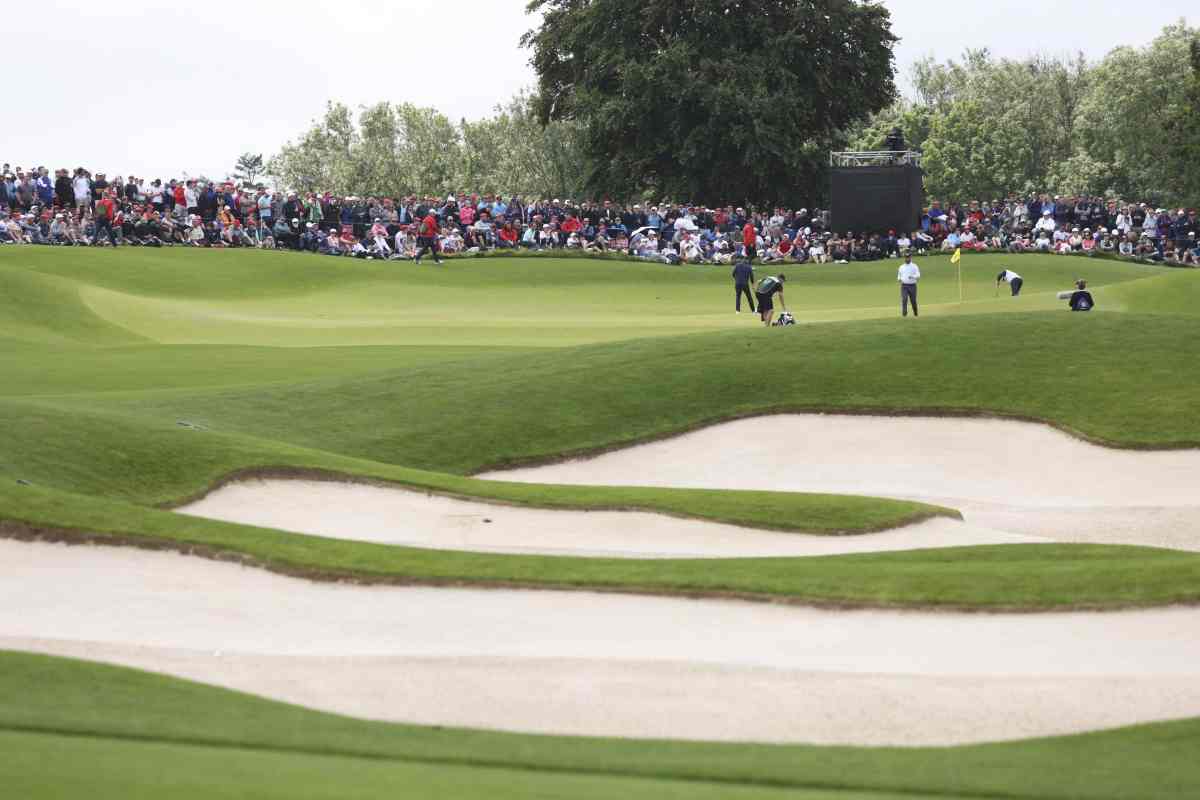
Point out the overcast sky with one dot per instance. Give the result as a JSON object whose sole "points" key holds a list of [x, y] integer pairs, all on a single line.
{"points": [[159, 88]]}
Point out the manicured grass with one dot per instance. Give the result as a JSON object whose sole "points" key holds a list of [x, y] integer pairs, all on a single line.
{"points": [[291, 300], [75, 728], [90, 411], [421, 376], [1034, 577]]}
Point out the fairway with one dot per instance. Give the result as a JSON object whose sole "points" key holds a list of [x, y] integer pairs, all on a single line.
{"points": [[138, 380]]}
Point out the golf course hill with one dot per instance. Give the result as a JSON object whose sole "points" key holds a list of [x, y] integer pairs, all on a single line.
{"points": [[138, 380]]}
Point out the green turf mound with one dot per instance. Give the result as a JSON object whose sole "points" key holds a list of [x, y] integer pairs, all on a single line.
{"points": [[77, 727], [138, 378]]}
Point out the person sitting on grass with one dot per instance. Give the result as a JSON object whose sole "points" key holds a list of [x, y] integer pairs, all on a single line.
{"points": [[1088, 246], [452, 241], [506, 239], [1081, 298], [1192, 250], [195, 236], [689, 249]]}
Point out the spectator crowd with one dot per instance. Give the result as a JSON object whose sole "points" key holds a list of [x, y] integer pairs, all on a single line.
{"points": [[77, 208]]}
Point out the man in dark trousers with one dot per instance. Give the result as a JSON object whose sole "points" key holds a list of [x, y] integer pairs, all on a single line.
{"points": [[908, 275], [749, 239], [1012, 279], [743, 276], [427, 237], [106, 212], [765, 289]]}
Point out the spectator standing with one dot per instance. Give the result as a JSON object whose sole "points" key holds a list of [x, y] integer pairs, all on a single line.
{"points": [[749, 240], [105, 214]]}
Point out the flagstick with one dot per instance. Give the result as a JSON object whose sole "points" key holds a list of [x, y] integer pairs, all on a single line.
{"points": [[959, 265]]}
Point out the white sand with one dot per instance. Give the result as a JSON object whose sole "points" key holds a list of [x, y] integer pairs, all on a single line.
{"points": [[396, 516], [1020, 478], [584, 663]]}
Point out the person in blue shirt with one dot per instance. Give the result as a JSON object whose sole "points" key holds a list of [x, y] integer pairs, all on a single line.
{"points": [[45, 187]]}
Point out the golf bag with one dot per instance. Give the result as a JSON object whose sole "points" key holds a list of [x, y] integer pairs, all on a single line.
{"points": [[785, 318]]}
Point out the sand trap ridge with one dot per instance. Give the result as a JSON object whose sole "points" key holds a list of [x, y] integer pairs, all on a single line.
{"points": [[1017, 477], [603, 664], [397, 516]]}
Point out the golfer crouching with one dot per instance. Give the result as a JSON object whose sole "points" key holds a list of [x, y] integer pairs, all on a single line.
{"points": [[1013, 280], [765, 289]]}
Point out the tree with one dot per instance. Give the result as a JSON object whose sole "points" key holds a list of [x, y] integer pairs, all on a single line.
{"points": [[513, 152], [396, 150], [248, 167], [319, 161], [1182, 127], [913, 119], [1126, 118], [710, 100], [970, 154]]}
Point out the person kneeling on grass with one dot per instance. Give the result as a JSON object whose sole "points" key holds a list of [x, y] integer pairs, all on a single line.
{"points": [[1012, 279], [764, 291]]}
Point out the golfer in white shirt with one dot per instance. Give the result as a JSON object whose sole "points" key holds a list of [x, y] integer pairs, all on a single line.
{"points": [[1012, 279], [908, 276]]}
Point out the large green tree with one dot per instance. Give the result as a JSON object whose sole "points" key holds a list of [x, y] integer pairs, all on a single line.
{"points": [[971, 154], [711, 100], [401, 149], [1129, 119]]}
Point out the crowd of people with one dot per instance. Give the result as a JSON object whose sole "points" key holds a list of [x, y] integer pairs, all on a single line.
{"points": [[77, 208]]}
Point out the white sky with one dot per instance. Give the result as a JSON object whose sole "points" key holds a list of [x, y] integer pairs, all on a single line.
{"points": [[161, 88]]}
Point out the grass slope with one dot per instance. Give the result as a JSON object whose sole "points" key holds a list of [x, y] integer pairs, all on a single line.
{"points": [[90, 410], [74, 728]]}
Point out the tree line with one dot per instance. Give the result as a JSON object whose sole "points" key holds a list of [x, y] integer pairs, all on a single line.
{"points": [[717, 103], [1126, 125], [398, 149]]}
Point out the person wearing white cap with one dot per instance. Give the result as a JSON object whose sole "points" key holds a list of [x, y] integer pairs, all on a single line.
{"points": [[1046, 223]]}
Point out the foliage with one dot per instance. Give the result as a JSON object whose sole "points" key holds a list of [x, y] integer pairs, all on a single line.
{"points": [[248, 167], [1123, 122], [913, 119], [512, 152], [971, 153], [1128, 125], [707, 100], [402, 149]]}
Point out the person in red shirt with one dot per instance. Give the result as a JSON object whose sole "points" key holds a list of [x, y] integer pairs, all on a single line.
{"points": [[508, 235], [571, 225], [106, 212], [427, 237], [749, 238]]}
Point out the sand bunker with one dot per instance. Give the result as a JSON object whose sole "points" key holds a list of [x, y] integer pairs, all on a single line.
{"points": [[396, 516], [584, 663], [1005, 476]]}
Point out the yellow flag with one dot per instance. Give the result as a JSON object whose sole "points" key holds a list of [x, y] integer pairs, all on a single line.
{"points": [[954, 259]]}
